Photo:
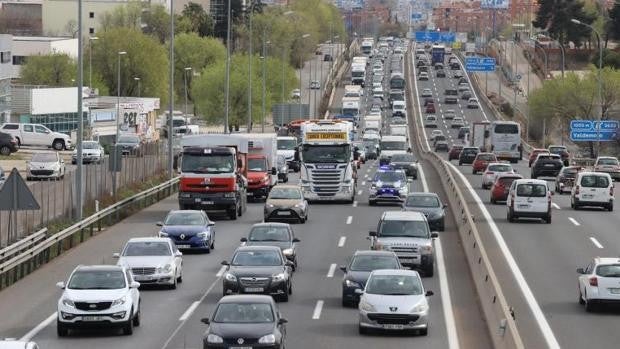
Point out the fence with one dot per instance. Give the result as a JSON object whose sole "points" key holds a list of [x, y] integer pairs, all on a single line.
{"points": [[57, 199]]}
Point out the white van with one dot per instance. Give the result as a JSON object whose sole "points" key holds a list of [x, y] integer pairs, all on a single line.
{"points": [[592, 189], [529, 198]]}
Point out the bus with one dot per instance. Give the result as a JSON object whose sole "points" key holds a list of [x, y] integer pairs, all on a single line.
{"points": [[437, 53], [367, 47], [397, 81], [505, 139]]}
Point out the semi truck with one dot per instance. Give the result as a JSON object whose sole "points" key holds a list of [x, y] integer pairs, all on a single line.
{"points": [[327, 172], [262, 163], [213, 174]]}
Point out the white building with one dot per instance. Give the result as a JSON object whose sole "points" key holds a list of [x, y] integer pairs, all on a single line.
{"points": [[5, 77], [26, 46]]}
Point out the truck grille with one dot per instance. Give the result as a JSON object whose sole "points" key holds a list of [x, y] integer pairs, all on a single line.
{"points": [[397, 249], [92, 306], [326, 182], [143, 271], [393, 319]]}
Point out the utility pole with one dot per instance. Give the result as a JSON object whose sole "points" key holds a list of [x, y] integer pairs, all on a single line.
{"points": [[185, 71], [171, 95], [227, 88], [251, 10], [80, 100]]}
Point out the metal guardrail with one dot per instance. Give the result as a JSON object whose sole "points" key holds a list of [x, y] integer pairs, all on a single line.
{"points": [[39, 248], [22, 244]]}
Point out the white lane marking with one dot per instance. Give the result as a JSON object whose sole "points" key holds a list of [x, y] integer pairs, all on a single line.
{"points": [[331, 271], [363, 182], [349, 219], [316, 314], [556, 206], [32, 333], [221, 271], [448, 313], [189, 311], [355, 203], [342, 240], [595, 242], [574, 221], [359, 192], [541, 320]]}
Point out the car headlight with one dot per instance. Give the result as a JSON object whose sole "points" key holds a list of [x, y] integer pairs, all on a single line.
{"points": [[350, 283], [230, 277], [268, 339], [266, 179], [427, 249], [421, 307], [68, 303], [213, 338], [119, 301], [278, 277], [299, 205], [288, 252], [163, 235], [365, 306], [165, 269], [203, 235], [270, 205]]}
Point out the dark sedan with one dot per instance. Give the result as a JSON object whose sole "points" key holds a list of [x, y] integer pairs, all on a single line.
{"points": [[357, 272], [189, 230], [274, 234], [454, 152], [405, 162], [566, 178], [260, 270], [430, 205], [8, 144], [468, 154], [546, 165], [130, 144], [247, 321]]}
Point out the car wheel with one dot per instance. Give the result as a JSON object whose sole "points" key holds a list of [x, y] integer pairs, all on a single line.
{"points": [[212, 244], [58, 145], [588, 305], [233, 214], [61, 330], [346, 303], [371, 203], [509, 216], [548, 218], [493, 201], [474, 172], [5, 150], [460, 163], [128, 328], [429, 271], [290, 288], [284, 297], [180, 277], [581, 301], [302, 220], [610, 206], [136, 318], [173, 286], [533, 176]]}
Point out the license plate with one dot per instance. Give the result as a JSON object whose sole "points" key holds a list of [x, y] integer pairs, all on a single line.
{"points": [[184, 246], [142, 277], [587, 196], [524, 206], [92, 318], [284, 213], [549, 165], [207, 202], [250, 194], [614, 290], [408, 260], [393, 327], [197, 200], [254, 289]]}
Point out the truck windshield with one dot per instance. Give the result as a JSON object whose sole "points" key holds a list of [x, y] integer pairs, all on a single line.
{"points": [[393, 146], [257, 165], [326, 153], [286, 144], [202, 163]]}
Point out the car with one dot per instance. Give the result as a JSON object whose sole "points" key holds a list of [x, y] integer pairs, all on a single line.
{"points": [[427, 93], [481, 161], [394, 300], [98, 296], [438, 66], [468, 155], [17, 344], [472, 103], [398, 120], [407, 233], [593, 189], [608, 164], [442, 145], [422, 61], [8, 144], [405, 162], [546, 165], [189, 230], [428, 100], [457, 122], [286, 203], [430, 205], [430, 121], [423, 76], [258, 270], [357, 271], [130, 144], [466, 95], [455, 66], [399, 109], [530, 198], [152, 261], [493, 170], [375, 109], [37, 135], [566, 178], [388, 185], [282, 168], [501, 186], [449, 114], [440, 73], [296, 94], [451, 99], [435, 133], [598, 282], [430, 108], [315, 85], [377, 92], [360, 149], [274, 234], [327, 58], [45, 165], [241, 319], [439, 138], [534, 154], [454, 152], [462, 132], [462, 80], [562, 151], [92, 152], [423, 69]]}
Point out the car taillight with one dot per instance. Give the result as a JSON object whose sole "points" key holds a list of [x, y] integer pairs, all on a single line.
{"points": [[593, 281], [576, 190], [512, 199], [611, 190]]}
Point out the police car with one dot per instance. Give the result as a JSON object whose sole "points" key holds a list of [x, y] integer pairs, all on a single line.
{"points": [[388, 185]]}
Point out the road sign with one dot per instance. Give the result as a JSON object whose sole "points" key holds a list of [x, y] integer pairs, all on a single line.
{"points": [[591, 136], [479, 64], [15, 194], [494, 4], [591, 125], [435, 36], [416, 15]]}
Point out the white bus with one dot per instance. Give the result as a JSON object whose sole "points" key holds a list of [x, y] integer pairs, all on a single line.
{"points": [[505, 139]]}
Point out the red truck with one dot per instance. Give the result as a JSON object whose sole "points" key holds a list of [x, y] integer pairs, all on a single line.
{"points": [[214, 174], [262, 163]]}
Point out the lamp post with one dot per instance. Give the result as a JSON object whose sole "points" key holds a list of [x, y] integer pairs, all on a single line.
{"points": [[118, 117], [185, 71], [171, 94], [284, 64], [264, 61], [139, 87], [90, 61], [301, 67], [80, 116], [545, 55], [250, 52], [600, 82], [227, 88]]}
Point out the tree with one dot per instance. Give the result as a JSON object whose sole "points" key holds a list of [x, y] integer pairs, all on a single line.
{"points": [[128, 16], [195, 19], [157, 21], [614, 16], [554, 16], [56, 70]]}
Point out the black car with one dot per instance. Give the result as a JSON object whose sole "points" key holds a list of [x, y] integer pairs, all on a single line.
{"points": [[430, 205], [466, 95], [259, 270], [328, 58], [245, 321], [274, 234], [441, 73], [358, 270], [441, 146], [566, 178], [468, 154], [8, 144], [463, 131], [455, 66], [405, 162], [546, 165], [130, 144]]}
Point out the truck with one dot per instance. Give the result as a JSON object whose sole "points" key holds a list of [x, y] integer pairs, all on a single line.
{"points": [[351, 107], [437, 54], [286, 147], [372, 122], [325, 154], [358, 74], [213, 173], [480, 135], [366, 47], [353, 91], [37, 135], [262, 163], [399, 130]]}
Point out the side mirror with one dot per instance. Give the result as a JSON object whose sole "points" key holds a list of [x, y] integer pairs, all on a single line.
{"points": [[178, 254], [116, 255], [372, 233], [552, 193], [429, 293], [296, 240], [434, 234], [358, 291], [211, 224], [581, 271], [61, 285], [134, 284], [243, 239], [205, 320], [225, 263], [296, 156], [274, 171], [159, 224], [343, 268], [282, 321], [408, 150]]}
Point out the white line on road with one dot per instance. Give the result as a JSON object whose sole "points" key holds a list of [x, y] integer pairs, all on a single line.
{"points": [[574, 221], [221, 271], [363, 182], [189, 311], [349, 219], [448, 314], [359, 192], [595, 242], [316, 314], [556, 206], [355, 203], [32, 333], [331, 271], [342, 240]]}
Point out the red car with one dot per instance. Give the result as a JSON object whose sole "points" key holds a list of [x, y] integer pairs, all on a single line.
{"points": [[535, 153], [501, 186], [481, 161], [430, 108], [455, 152]]}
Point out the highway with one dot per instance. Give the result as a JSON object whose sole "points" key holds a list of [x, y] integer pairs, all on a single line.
{"points": [[546, 255]]}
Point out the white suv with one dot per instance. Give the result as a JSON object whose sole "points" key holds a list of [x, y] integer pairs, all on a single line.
{"points": [[599, 282], [99, 296], [529, 198], [592, 189]]}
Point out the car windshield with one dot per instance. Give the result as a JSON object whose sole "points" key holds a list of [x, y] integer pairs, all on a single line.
{"points": [[257, 258], [270, 233], [185, 218], [608, 271], [286, 144], [390, 145], [394, 285], [389, 176], [569, 171], [486, 157], [394, 228], [243, 313], [147, 248], [499, 168], [403, 158], [557, 150], [257, 165], [326, 153], [90, 145], [44, 157], [97, 280], [608, 161], [594, 181], [129, 139], [285, 194], [370, 263], [532, 190], [422, 201], [203, 163]]}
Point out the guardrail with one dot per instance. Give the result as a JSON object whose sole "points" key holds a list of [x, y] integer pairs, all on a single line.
{"points": [[21, 258]]}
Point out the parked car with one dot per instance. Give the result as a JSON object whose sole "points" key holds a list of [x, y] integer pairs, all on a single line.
{"points": [[274, 234], [37, 135], [593, 189], [189, 230], [286, 202], [92, 152], [529, 198], [45, 165], [8, 144]]}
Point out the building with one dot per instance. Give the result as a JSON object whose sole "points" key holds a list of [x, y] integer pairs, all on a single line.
{"points": [[21, 17], [26, 46], [6, 42]]}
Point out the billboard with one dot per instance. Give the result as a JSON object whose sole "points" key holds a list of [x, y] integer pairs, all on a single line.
{"points": [[495, 4]]}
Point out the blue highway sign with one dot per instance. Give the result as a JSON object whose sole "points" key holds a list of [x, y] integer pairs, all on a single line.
{"points": [[590, 136], [591, 125], [479, 64], [435, 36]]}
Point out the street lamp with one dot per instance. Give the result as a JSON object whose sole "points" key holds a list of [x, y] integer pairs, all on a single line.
{"points": [[264, 61], [90, 61], [301, 66], [600, 82], [284, 63], [139, 87], [227, 88], [185, 70], [250, 52], [118, 117]]}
